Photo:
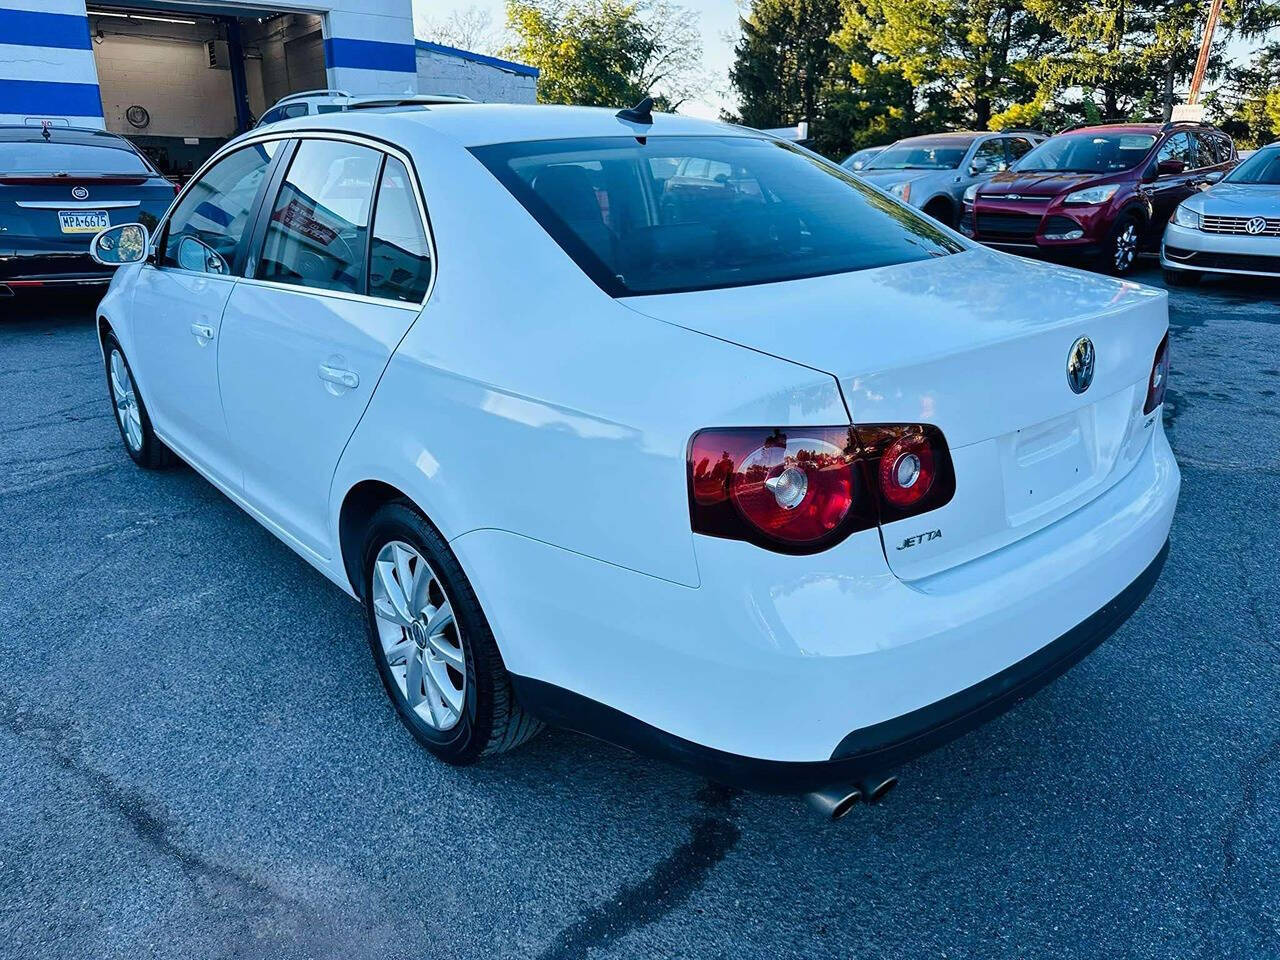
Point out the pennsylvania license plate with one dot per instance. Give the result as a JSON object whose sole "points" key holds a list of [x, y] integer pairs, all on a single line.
{"points": [[83, 221]]}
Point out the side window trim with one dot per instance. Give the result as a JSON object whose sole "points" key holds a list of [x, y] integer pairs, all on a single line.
{"points": [[373, 221], [261, 215], [266, 201]]}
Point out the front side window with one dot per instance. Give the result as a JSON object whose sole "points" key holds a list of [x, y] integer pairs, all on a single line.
{"points": [[922, 153], [1085, 152], [319, 223], [208, 225], [665, 214], [1018, 146], [989, 157], [399, 255], [1178, 147]]}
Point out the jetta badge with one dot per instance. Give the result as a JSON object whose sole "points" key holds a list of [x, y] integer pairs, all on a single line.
{"points": [[1255, 225], [80, 193], [1080, 365]]}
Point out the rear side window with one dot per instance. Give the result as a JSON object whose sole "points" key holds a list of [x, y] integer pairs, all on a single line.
{"points": [[41, 157], [666, 214], [319, 223], [1179, 147], [215, 210], [399, 255]]}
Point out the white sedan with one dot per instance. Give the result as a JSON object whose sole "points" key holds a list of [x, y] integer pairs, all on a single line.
{"points": [[654, 428]]}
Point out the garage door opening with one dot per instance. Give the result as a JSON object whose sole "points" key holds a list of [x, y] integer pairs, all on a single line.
{"points": [[180, 82]]}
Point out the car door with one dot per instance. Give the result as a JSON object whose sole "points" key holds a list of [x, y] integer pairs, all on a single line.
{"points": [[1170, 189], [340, 269], [178, 306]]}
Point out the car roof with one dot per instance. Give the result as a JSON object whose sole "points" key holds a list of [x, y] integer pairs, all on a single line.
{"points": [[1154, 129], [477, 124], [21, 133], [949, 135]]}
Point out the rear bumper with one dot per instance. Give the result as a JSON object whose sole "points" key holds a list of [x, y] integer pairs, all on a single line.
{"points": [[864, 752], [801, 661], [21, 269]]}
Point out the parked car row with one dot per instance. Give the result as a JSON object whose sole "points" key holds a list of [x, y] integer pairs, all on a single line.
{"points": [[1098, 195]]}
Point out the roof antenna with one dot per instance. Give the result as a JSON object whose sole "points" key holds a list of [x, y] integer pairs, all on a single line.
{"points": [[642, 112]]}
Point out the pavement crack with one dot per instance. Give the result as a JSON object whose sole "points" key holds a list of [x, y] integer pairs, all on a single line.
{"points": [[1250, 774], [63, 744], [669, 884]]}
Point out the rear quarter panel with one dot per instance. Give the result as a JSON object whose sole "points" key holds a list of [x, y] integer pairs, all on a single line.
{"points": [[526, 400]]}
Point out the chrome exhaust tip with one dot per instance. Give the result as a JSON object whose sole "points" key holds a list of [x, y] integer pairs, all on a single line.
{"points": [[834, 803]]}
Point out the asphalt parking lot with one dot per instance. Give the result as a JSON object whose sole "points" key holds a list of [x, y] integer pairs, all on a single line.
{"points": [[196, 759]]}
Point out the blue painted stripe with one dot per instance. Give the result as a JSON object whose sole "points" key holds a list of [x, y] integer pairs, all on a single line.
{"points": [[521, 68], [370, 55], [28, 28], [44, 98]]}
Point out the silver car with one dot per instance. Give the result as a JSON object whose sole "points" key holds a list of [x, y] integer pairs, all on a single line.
{"points": [[932, 172], [1232, 227]]}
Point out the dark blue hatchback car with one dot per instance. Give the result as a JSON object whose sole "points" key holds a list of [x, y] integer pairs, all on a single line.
{"points": [[58, 187]]}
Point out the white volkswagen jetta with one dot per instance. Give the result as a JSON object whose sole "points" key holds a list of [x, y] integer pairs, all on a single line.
{"points": [[654, 428]]}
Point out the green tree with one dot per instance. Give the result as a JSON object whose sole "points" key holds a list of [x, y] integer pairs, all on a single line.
{"points": [[978, 54], [783, 61], [1248, 102], [606, 52]]}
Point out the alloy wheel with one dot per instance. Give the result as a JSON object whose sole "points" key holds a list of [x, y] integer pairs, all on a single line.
{"points": [[1126, 247], [126, 401], [419, 635]]}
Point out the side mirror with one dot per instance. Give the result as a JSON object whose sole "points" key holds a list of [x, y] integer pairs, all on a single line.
{"points": [[115, 246], [1169, 167], [197, 256], [1214, 176]]}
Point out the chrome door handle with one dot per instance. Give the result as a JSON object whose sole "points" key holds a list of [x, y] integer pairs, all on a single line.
{"points": [[343, 378], [202, 331]]}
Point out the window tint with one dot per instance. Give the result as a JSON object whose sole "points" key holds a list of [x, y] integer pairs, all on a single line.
{"points": [[1018, 146], [694, 213], [293, 110], [215, 211], [329, 108], [989, 157], [1178, 147], [39, 156], [320, 220], [399, 257], [271, 116]]}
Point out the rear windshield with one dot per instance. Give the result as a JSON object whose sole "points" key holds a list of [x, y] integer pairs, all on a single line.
{"points": [[44, 157], [666, 214], [1262, 167], [940, 153], [1087, 153]]}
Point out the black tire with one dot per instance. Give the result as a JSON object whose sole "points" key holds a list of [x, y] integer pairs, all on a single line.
{"points": [[1111, 259], [149, 452], [1181, 278], [492, 720], [941, 211]]}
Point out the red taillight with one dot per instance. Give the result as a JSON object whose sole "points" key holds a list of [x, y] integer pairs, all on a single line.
{"points": [[907, 470], [800, 490], [1159, 378]]}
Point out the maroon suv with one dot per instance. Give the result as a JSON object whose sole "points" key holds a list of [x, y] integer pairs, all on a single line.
{"points": [[1101, 192]]}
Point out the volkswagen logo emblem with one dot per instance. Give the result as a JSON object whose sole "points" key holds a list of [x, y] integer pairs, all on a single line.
{"points": [[1255, 225], [1080, 365], [80, 193]]}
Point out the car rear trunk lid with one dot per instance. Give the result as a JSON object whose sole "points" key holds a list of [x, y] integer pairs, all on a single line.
{"points": [[976, 344]]}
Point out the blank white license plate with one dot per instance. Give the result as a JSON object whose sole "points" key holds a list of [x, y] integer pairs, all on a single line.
{"points": [[83, 221]]}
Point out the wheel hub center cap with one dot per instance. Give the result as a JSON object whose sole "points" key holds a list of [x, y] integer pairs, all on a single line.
{"points": [[418, 634]]}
